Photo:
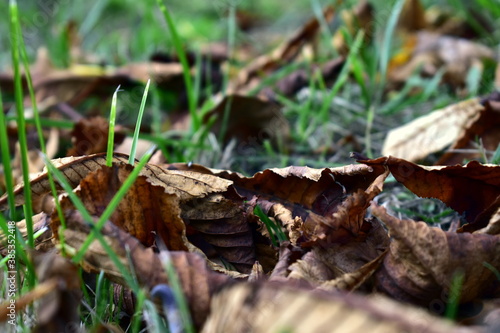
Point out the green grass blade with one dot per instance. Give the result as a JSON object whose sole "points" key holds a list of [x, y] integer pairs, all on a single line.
{"points": [[111, 134], [138, 125], [15, 35], [454, 296], [7, 168], [385, 53], [39, 130], [186, 71]]}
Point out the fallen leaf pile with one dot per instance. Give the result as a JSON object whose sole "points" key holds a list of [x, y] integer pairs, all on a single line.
{"points": [[294, 249], [206, 220]]}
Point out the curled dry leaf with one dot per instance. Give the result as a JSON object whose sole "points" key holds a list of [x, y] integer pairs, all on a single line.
{"points": [[433, 132], [278, 307], [343, 265], [423, 261], [197, 280], [314, 205], [162, 202], [144, 212], [471, 189]]}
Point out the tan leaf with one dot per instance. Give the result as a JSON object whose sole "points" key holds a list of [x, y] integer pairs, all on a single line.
{"points": [[41, 223], [422, 262], [278, 307], [484, 126], [75, 169], [432, 132]]}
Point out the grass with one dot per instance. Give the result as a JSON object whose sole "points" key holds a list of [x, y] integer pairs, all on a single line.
{"points": [[355, 105]]}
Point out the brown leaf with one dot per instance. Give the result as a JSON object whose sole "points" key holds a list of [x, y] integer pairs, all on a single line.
{"points": [[197, 281], [430, 52], [249, 76], [250, 120], [277, 307], [74, 169], [90, 136], [422, 262], [470, 189], [144, 212], [43, 242], [347, 265]]}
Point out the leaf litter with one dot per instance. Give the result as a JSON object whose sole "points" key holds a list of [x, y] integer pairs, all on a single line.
{"points": [[342, 263]]}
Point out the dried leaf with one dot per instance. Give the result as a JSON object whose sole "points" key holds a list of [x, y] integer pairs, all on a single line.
{"points": [[432, 52], [343, 262], [278, 307], [471, 189], [197, 281], [43, 242], [484, 126], [432, 132], [249, 77], [250, 120], [90, 136], [422, 262], [144, 212]]}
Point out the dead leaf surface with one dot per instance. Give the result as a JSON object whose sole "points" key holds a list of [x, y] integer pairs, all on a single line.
{"points": [[276, 307], [469, 189], [432, 132], [422, 262]]}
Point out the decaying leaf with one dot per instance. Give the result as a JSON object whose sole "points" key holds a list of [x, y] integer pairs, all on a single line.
{"points": [[250, 120], [430, 52], [423, 262], [278, 307], [483, 127], [90, 136], [432, 132], [251, 75], [43, 242], [58, 294], [197, 280], [471, 189], [345, 265], [314, 205], [145, 211]]}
